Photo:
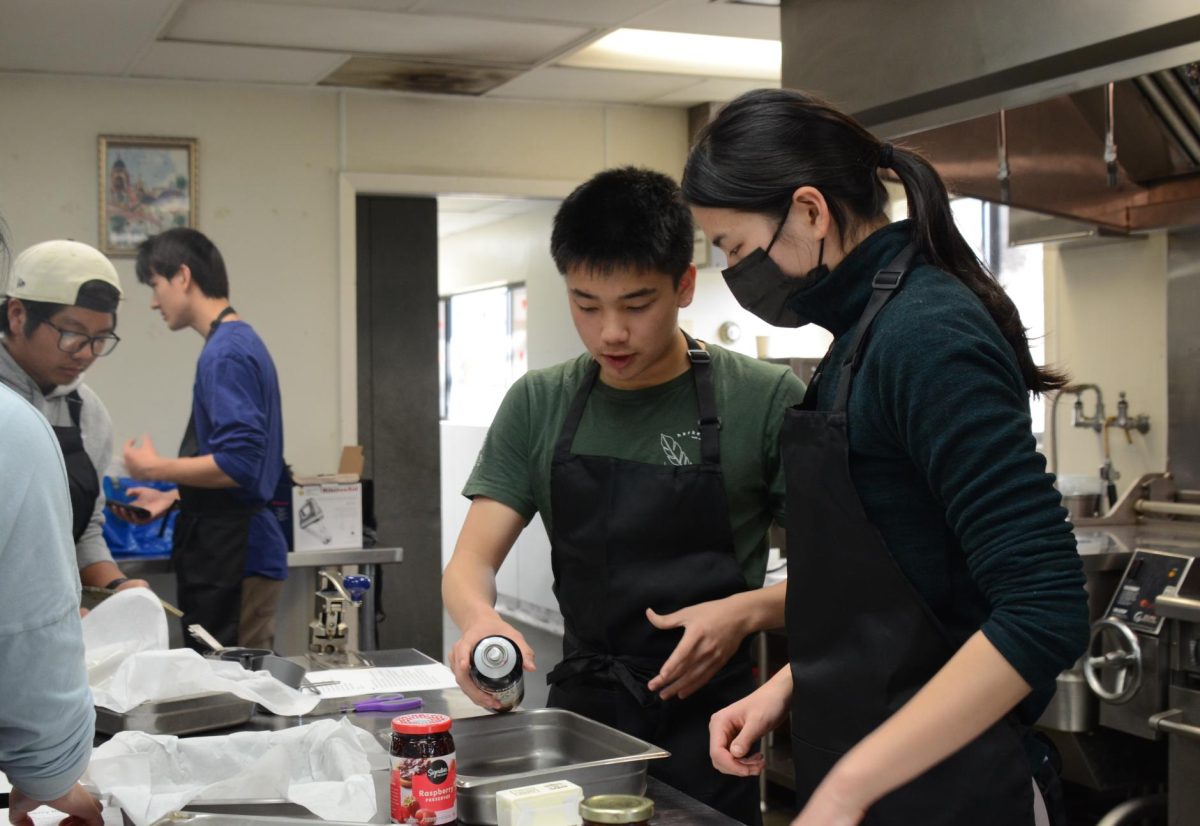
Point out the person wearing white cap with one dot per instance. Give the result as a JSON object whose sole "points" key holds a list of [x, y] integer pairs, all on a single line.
{"points": [[59, 315]]}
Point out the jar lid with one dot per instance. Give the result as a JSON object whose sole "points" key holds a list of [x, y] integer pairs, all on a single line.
{"points": [[616, 808], [420, 723]]}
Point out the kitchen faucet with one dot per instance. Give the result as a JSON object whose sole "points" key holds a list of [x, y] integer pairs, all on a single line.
{"points": [[1140, 423], [1078, 419]]}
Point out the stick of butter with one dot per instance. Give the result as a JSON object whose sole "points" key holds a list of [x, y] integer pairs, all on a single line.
{"points": [[547, 804]]}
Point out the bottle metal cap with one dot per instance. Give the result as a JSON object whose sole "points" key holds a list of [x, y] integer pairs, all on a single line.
{"points": [[495, 657]]}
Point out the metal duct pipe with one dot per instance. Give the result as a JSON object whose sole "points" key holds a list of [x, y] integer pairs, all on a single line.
{"points": [[1185, 104], [1163, 108]]}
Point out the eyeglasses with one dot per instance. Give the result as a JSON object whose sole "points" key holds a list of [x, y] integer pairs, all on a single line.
{"points": [[72, 342]]}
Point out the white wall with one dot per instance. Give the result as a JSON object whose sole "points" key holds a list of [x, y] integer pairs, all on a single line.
{"points": [[1106, 313], [267, 198], [268, 182]]}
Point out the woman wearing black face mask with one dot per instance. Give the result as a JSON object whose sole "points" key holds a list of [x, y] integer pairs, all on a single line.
{"points": [[934, 589]]}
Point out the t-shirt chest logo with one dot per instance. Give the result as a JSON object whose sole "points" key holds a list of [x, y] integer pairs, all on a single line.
{"points": [[675, 454]]}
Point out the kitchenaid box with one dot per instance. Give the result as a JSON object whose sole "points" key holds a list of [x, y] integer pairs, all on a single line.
{"points": [[327, 509]]}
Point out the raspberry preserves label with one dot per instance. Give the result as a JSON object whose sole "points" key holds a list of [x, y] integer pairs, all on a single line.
{"points": [[423, 790]]}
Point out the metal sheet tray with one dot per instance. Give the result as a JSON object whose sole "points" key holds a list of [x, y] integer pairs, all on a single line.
{"points": [[238, 819], [504, 751], [184, 715]]}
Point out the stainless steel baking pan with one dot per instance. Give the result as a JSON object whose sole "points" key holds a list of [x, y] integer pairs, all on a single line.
{"points": [[183, 715], [202, 819], [504, 751]]}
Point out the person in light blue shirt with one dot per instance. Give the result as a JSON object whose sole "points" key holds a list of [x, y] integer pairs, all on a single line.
{"points": [[47, 720]]}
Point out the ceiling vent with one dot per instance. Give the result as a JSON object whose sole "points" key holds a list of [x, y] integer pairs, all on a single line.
{"points": [[419, 76]]}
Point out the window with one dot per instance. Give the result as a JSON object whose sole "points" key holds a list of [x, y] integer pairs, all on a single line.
{"points": [[483, 351], [1019, 270]]}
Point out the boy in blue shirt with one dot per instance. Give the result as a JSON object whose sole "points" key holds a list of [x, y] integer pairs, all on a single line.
{"points": [[230, 555]]}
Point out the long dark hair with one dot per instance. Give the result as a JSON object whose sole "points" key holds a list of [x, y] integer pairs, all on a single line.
{"points": [[767, 143]]}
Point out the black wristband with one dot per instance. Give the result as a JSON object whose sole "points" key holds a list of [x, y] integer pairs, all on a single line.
{"points": [[119, 581]]}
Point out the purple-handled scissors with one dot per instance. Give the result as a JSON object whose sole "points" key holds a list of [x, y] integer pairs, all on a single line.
{"points": [[387, 702]]}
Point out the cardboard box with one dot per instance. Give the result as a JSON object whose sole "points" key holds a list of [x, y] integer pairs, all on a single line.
{"points": [[327, 509]]}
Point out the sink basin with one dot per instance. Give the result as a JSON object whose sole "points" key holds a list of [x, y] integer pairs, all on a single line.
{"points": [[505, 751]]}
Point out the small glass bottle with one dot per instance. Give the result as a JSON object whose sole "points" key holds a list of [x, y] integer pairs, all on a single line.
{"points": [[424, 771], [616, 808]]}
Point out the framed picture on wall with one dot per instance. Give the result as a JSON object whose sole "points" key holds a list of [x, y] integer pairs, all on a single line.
{"points": [[147, 185]]}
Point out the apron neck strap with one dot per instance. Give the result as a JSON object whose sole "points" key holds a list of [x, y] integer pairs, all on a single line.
{"points": [[228, 311], [709, 422], [883, 286], [566, 436], [74, 406]]}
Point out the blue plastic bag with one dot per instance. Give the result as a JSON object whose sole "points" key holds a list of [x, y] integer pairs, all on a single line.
{"points": [[125, 538]]}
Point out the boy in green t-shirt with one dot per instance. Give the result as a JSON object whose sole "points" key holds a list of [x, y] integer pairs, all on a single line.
{"points": [[654, 461]]}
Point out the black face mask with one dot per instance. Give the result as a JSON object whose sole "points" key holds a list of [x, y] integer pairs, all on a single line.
{"points": [[762, 288]]}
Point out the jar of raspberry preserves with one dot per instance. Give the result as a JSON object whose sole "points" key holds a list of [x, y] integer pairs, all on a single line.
{"points": [[424, 771]]}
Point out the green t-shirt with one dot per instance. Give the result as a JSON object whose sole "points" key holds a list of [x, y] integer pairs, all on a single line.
{"points": [[654, 425]]}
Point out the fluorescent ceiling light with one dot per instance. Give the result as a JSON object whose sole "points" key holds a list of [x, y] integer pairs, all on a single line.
{"points": [[707, 55]]}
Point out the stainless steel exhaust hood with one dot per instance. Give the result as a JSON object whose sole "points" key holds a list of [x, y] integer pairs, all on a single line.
{"points": [[937, 73]]}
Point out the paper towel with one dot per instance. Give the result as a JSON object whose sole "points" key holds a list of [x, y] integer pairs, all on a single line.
{"points": [[324, 767], [125, 642]]}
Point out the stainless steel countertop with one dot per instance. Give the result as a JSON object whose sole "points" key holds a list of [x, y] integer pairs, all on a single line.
{"points": [[142, 565], [673, 808]]}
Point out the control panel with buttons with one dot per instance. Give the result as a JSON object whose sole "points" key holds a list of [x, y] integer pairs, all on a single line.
{"points": [[1149, 575]]}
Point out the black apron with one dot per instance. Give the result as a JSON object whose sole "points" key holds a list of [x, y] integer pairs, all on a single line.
{"points": [[82, 478], [209, 549], [861, 640], [629, 536]]}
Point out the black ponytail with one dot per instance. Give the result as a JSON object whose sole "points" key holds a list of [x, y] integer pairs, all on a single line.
{"points": [[767, 143]]}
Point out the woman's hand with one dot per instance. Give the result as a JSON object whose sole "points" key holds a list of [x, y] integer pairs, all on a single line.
{"points": [[734, 730]]}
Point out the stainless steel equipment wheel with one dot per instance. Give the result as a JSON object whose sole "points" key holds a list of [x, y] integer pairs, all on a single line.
{"points": [[1123, 660]]}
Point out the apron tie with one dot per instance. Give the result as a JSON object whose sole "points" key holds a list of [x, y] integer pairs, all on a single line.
{"points": [[632, 673]]}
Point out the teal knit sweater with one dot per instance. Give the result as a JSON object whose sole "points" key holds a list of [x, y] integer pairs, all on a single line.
{"points": [[943, 457]]}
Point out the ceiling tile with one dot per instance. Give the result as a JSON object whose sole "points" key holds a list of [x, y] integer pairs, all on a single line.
{"points": [[584, 12], [710, 91], [370, 32], [707, 17], [370, 5], [559, 83], [101, 37], [244, 64]]}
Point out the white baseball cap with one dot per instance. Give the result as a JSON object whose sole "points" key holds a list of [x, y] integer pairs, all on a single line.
{"points": [[53, 271]]}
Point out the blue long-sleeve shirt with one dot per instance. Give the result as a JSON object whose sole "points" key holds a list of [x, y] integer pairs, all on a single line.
{"points": [[944, 460], [239, 421], [47, 720]]}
